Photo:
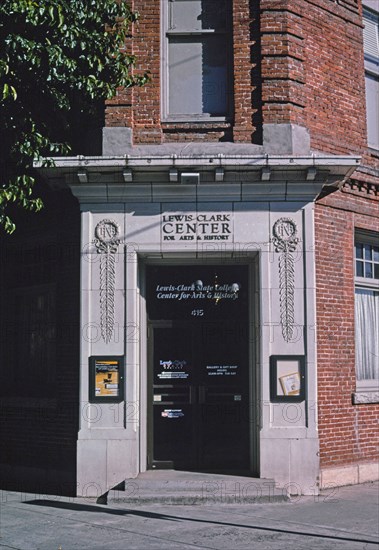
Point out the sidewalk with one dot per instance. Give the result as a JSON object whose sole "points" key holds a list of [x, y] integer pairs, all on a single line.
{"points": [[342, 518]]}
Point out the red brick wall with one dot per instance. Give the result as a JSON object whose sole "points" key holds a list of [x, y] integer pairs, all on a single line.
{"points": [[140, 108], [283, 76], [246, 57], [348, 433], [336, 116], [294, 61], [336, 120]]}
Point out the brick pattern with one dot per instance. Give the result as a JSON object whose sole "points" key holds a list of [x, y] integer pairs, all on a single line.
{"points": [[146, 47], [352, 5], [283, 72], [348, 433], [336, 115], [246, 42], [294, 61], [140, 108], [221, 131]]}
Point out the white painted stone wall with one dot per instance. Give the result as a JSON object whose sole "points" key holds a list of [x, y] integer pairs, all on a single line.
{"points": [[112, 438]]}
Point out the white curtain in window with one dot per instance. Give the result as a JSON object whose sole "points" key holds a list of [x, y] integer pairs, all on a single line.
{"points": [[367, 334]]}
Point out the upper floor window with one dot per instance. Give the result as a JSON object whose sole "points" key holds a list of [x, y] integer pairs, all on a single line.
{"points": [[367, 311], [196, 59], [367, 260], [371, 51]]}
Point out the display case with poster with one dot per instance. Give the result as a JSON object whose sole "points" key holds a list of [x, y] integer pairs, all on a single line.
{"points": [[106, 379], [287, 378]]}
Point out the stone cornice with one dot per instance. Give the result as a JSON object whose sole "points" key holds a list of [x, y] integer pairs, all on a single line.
{"points": [[244, 177]]}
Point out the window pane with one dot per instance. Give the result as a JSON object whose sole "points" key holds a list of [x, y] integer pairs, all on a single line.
{"points": [[195, 15], [368, 252], [372, 106], [368, 270], [197, 76], [370, 33], [376, 253], [359, 250], [367, 334], [359, 269], [185, 83], [376, 273]]}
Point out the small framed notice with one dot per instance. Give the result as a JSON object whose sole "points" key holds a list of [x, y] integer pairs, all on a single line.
{"points": [[106, 379], [287, 378]]}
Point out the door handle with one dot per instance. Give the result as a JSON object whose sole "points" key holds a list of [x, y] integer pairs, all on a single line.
{"points": [[202, 394], [192, 395]]}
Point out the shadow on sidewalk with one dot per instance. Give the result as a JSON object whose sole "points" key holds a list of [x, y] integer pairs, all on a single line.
{"points": [[168, 517]]}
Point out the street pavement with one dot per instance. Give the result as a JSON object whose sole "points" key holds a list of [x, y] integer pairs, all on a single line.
{"points": [[340, 518]]}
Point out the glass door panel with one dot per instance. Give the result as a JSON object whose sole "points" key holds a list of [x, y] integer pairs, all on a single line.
{"points": [[200, 375]]}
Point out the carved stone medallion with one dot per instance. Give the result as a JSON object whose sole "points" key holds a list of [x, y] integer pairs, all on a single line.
{"points": [[285, 234], [107, 233]]}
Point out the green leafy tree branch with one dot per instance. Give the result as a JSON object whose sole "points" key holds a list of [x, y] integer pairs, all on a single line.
{"points": [[58, 59]]}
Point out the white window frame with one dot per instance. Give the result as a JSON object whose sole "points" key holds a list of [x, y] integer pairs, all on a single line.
{"points": [[371, 57], [165, 116], [367, 390]]}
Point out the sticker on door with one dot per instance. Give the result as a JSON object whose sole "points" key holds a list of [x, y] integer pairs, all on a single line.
{"points": [[172, 413]]}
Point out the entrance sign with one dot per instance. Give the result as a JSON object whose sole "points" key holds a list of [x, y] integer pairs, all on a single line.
{"points": [[106, 379], [189, 292], [199, 292], [196, 227]]}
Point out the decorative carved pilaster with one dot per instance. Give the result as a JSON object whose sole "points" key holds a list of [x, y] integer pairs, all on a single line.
{"points": [[285, 241], [107, 240]]}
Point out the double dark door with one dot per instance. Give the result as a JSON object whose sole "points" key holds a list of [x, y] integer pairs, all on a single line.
{"points": [[199, 384]]}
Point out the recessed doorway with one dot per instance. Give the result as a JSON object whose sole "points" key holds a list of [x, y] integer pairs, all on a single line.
{"points": [[199, 378]]}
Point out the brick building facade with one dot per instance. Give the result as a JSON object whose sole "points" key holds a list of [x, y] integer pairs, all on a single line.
{"points": [[249, 163]]}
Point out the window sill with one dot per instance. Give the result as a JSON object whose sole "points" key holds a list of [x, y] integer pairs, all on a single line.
{"points": [[373, 151], [366, 282], [364, 397], [196, 120]]}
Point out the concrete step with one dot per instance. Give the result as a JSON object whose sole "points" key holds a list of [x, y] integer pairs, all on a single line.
{"points": [[176, 487]]}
